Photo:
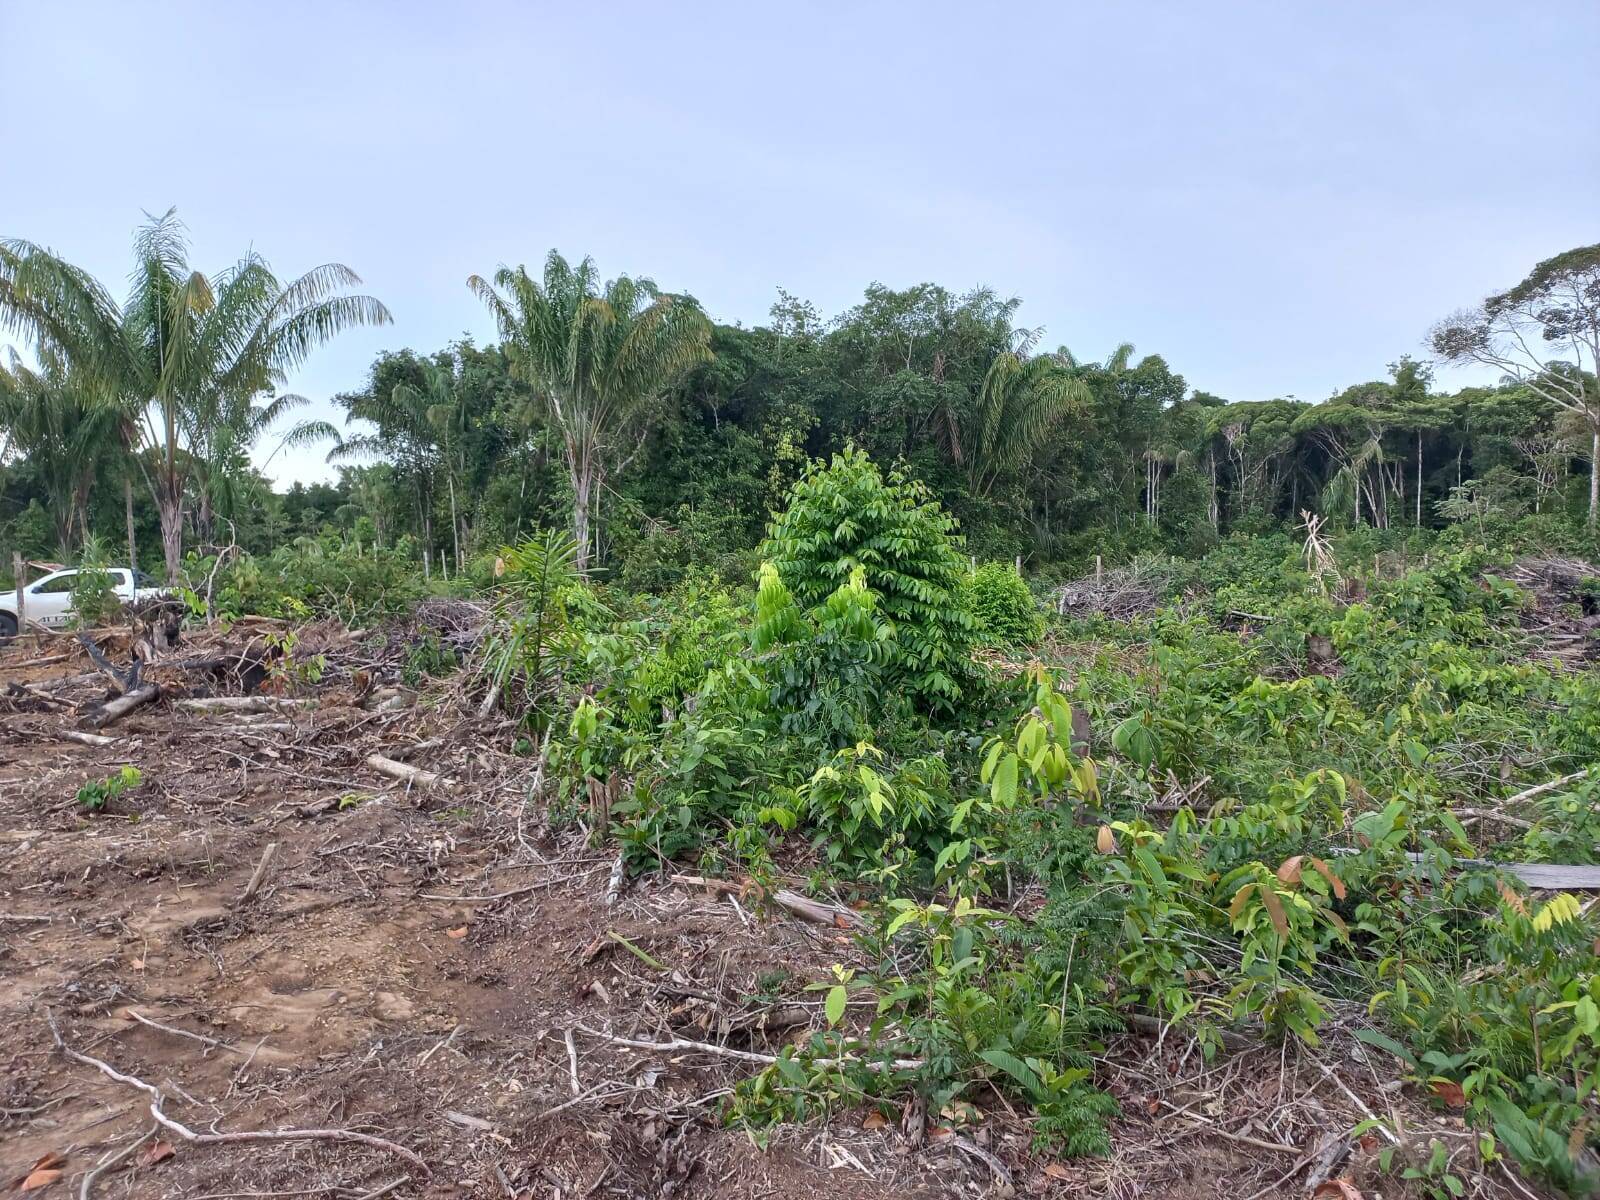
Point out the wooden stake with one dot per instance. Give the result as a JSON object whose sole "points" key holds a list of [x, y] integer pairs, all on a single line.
{"points": [[254, 886], [22, 599]]}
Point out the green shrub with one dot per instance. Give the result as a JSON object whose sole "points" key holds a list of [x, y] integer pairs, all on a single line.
{"points": [[1003, 609], [845, 516]]}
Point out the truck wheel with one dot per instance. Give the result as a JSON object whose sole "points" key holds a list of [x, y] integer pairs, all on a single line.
{"points": [[8, 627]]}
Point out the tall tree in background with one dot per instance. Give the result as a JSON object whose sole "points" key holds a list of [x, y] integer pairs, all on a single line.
{"points": [[58, 420], [1545, 333], [600, 357], [181, 344], [1021, 399]]}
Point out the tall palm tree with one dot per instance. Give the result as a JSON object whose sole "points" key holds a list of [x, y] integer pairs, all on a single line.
{"points": [[440, 402], [1021, 398], [407, 438], [56, 418], [180, 344], [221, 436], [599, 356]]}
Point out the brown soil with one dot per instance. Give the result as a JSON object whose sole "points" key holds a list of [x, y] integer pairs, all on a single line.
{"points": [[370, 986]]}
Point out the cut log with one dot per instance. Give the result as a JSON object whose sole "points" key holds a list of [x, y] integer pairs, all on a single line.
{"points": [[85, 739], [816, 911], [405, 772], [115, 710], [246, 704]]}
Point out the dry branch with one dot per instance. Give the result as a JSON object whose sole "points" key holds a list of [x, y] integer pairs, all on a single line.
{"points": [[218, 1139]]}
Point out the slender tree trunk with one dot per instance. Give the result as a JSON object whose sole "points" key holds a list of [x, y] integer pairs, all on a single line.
{"points": [[455, 524], [582, 498], [1594, 478], [127, 507], [1419, 479], [427, 547], [205, 521]]}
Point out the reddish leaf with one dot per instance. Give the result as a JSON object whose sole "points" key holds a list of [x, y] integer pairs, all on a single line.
{"points": [[1369, 1142], [1289, 872], [1341, 1188], [1449, 1091], [41, 1178], [1326, 872], [1513, 901], [1275, 911], [1240, 898], [156, 1152], [456, 933]]}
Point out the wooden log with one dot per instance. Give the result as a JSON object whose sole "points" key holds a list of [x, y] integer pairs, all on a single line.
{"points": [[405, 772], [816, 911], [115, 710], [246, 704], [85, 739]]}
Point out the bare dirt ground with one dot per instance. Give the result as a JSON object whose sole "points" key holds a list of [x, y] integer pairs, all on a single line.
{"points": [[435, 967]]}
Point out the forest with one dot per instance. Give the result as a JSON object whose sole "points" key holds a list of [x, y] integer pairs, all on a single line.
{"points": [[905, 735]]}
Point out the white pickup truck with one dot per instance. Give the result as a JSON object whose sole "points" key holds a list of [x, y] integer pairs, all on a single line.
{"points": [[48, 601]]}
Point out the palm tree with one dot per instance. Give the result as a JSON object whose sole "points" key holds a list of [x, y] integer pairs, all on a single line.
{"points": [[181, 345], [57, 420], [221, 435], [600, 358], [1021, 398], [406, 437], [440, 403]]}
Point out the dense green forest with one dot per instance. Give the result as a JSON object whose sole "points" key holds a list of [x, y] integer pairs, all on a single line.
{"points": [[144, 420]]}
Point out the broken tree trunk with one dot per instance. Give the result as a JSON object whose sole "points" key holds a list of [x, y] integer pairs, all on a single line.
{"points": [[115, 710]]}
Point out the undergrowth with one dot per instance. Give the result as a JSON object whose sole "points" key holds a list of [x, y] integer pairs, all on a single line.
{"points": [[1255, 835]]}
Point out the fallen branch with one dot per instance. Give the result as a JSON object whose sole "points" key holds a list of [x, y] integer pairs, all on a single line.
{"points": [[115, 710], [97, 740], [404, 772], [816, 911], [245, 704], [1540, 789], [184, 1033], [898, 1064], [218, 1139], [115, 1160], [971, 1148]]}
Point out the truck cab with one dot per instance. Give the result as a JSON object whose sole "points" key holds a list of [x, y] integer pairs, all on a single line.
{"points": [[47, 602]]}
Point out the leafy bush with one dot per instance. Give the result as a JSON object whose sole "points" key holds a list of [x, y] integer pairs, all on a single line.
{"points": [[309, 577], [1004, 612], [844, 517]]}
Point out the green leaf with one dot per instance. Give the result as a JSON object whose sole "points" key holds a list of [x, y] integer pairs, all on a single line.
{"points": [[1384, 1042], [834, 1005], [1013, 1066]]}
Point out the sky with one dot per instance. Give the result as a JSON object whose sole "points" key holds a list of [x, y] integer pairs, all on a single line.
{"points": [[1279, 198]]}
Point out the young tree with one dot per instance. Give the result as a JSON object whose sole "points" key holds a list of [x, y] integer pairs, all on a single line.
{"points": [[601, 357], [181, 346], [1545, 333]]}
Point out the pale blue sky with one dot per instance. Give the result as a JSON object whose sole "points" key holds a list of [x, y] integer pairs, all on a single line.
{"points": [[1278, 197]]}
